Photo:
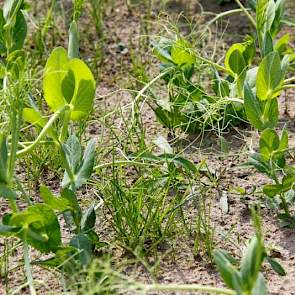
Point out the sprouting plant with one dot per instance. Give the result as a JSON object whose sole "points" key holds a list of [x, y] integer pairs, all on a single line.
{"points": [[261, 106], [69, 89], [271, 161], [188, 105]]}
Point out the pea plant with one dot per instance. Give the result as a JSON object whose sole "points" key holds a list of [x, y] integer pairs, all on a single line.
{"points": [[69, 89], [191, 106], [188, 105], [261, 92]]}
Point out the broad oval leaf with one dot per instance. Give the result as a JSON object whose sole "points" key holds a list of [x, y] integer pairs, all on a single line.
{"points": [[234, 61], [181, 53], [269, 76], [269, 142], [253, 108], [40, 227], [68, 81]]}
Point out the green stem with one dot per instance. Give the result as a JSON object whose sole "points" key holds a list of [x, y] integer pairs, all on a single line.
{"points": [[145, 88], [285, 87], [186, 288], [212, 63], [67, 167], [56, 115], [122, 163], [251, 19], [282, 197], [289, 80], [28, 268], [223, 14], [285, 205]]}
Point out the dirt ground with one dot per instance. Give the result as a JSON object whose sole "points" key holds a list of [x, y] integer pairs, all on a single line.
{"points": [[184, 267], [179, 264]]}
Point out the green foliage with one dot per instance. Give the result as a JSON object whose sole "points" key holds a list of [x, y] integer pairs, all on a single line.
{"points": [[68, 81], [269, 76], [3, 159], [260, 114], [13, 27], [38, 225], [247, 279], [81, 166]]}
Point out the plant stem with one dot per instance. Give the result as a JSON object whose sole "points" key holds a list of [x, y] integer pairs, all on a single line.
{"points": [[67, 167], [186, 288], [285, 87], [28, 268], [122, 163], [289, 80], [251, 19], [44, 131], [282, 197], [145, 88], [285, 205], [212, 63], [223, 14]]}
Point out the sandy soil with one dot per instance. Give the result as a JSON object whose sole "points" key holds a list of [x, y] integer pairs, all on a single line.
{"points": [[122, 30]]}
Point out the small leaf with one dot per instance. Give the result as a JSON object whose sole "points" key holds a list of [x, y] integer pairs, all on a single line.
{"points": [[181, 53], [227, 271], [88, 219], [7, 193], [73, 50], [34, 117], [267, 44], [269, 142], [276, 266], [40, 227], [68, 81], [253, 108], [260, 286], [52, 201], [86, 168], [84, 245], [288, 182], [271, 190], [258, 162], [281, 45], [234, 60], [8, 231], [251, 262], [81, 168], [73, 152]]}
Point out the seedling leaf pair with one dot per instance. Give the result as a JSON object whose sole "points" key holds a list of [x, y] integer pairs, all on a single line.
{"points": [[261, 114], [68, 81], [247, 279], [81, 167]]}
